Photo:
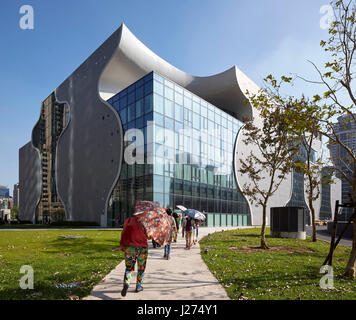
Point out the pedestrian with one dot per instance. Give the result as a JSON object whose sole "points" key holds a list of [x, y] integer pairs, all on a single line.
{"points": [[167, 247], [134, 244], [196, 230], [188, 232], [176, 219]]}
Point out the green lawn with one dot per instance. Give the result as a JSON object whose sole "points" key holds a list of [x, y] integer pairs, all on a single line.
{"points": [[81, 262], [290, 270]]}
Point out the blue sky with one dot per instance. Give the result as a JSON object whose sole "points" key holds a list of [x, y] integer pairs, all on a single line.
{"points": [[201, 37]]}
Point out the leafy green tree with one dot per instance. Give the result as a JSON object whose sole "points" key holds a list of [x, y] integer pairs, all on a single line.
{"points": [[14, 212], [267, 167]]}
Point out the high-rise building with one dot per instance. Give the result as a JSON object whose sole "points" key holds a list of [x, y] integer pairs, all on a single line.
{"points": [[345, 129], [16, 195], [4, 192]]}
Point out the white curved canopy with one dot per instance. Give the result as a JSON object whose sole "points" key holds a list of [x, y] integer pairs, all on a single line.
{"points": [[132, 60]]}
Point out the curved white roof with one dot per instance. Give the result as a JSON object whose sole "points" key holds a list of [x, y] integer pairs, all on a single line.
{"points": [[132, 60]]}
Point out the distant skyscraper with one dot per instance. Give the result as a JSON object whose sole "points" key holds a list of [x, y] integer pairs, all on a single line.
{"points": [[345, 129], [16, 194], [4, 192]]}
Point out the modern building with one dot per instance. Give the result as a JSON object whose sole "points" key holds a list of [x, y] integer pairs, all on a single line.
{"points": [[127, 126], [4, 192], [189, 158], [16, 195], [345, 129]]}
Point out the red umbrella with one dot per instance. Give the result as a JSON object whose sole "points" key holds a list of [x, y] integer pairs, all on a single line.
{"points": [[154, 220]]}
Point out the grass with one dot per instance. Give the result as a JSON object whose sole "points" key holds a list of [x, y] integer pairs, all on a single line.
{"points": [[290, 270], [57, 261]]}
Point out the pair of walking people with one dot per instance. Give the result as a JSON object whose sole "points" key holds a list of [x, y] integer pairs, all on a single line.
{"points": [[135, 246]]}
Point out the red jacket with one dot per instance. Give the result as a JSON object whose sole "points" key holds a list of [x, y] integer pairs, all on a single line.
{"points": [[133, 234]]}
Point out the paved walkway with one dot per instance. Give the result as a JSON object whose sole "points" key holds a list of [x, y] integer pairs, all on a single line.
{"points": [[322, 234], [184, 277]]}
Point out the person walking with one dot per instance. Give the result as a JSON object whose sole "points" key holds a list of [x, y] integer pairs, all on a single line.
{"points": [[167, 247], [176, 219], [188, 230], [134, 244], [196, 230]]}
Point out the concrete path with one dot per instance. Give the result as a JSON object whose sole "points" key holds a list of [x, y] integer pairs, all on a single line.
{"points": [[184, 277]]}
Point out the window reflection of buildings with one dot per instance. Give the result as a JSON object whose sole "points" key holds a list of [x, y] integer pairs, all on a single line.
{"points": [[188, 123]]}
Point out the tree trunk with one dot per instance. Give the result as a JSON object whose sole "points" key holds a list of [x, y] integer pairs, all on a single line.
{"points": [[312, 210], [350, 268], [263, 230]]}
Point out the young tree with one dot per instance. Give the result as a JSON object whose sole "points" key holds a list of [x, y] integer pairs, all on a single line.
{"points": [[272, 156], [14, 212], [301, 121]]}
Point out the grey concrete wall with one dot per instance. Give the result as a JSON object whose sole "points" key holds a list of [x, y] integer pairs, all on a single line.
{"points": [[30, 181], [90, 149]]}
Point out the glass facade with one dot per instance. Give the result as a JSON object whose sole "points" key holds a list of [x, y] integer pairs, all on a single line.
{"points": [[4, 192], [325, 208], [186, 150]]}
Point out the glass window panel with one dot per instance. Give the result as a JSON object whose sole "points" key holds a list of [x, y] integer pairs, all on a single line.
{"points": [[148, 103], [169, 83], [156, 76], [140, 123], [158, 87], [169, 108], [187, 94], [178, 186], [158, 119], [131, 112], [169, 123], [159, 170], [123, 102], [158, 103], [196, 121], [159, 134], [131, 98], [196, 107], [178, 126], [178, 98], [169, 93], [139, 108], [187, 103], [148, 88], [178, 89], [139, 93], [187, 188], [187, 172], [178, 112], [123, 116]]}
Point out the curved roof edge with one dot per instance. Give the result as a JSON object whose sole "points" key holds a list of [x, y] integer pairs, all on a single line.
{"points": [[133, 60]]}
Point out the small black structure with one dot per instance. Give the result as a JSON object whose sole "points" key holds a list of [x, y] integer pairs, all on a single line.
{"points": [[288, 222]]}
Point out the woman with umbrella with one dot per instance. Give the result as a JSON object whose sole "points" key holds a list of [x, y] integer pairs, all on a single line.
{"points": [[134, 243]]}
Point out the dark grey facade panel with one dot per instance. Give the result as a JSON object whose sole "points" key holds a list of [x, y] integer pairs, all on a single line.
{"points": [[90, 149], [30, 181]]}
